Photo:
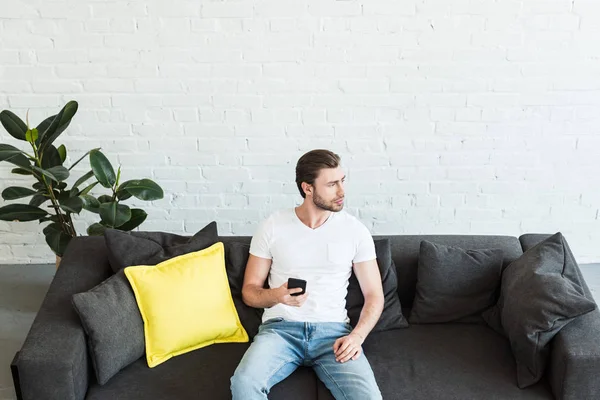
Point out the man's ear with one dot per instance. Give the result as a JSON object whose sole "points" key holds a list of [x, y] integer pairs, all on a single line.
{"points": [[307, 188]]}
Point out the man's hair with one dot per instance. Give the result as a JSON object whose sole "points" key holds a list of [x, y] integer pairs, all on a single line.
{"points": [[309, 165]]}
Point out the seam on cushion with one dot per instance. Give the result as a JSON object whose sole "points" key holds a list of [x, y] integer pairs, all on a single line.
{"points": [[332, 380]]}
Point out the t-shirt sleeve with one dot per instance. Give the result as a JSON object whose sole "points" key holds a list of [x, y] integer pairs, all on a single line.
{"points": [[365, 249], [260, 243]]}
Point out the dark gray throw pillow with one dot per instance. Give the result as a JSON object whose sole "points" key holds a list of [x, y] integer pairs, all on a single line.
{"points": [[391, 317], [150, 248], [455, 284], [541, 292], [236, 258], [113, 325]]}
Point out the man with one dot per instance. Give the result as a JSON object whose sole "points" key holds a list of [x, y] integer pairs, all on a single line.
{"points": [[319, 243]]}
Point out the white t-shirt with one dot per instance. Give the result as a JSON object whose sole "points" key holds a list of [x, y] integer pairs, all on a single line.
{"points": [[322, 256]]}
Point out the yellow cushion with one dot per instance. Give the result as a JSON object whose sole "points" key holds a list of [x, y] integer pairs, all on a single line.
{"points": [[185, 303]]}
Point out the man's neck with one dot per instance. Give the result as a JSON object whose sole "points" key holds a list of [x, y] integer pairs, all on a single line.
{"points": [[312, 216]]}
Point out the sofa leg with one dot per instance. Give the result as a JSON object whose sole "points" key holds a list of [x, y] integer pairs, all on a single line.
{"points": [[15, 375]]}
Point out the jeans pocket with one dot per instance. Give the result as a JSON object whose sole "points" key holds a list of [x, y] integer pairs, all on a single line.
{"points": [[272, 321]]}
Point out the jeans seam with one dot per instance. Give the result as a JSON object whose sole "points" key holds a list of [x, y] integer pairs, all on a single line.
{"points": [[275, 371], [332, 379]]}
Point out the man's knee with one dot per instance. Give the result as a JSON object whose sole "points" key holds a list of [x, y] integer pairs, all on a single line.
{"points": [[242, 381]]}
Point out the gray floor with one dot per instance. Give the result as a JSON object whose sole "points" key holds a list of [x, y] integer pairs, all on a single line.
{"points": [[22, 289]]}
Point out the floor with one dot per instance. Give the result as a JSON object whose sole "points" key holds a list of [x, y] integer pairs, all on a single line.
{"points": [[22, 289]]}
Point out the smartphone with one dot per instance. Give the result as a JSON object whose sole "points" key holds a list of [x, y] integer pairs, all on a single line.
{"points": [[297, 283]]}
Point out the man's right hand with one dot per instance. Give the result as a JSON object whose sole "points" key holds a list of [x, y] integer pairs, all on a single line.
{"points": [[284, 296]]}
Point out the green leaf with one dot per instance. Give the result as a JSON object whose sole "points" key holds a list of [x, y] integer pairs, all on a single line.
{"points": [[72, 204], [51, 158], [13, 125], [13, 155], [39, 186], [16, 192], [144, 189], [60, 172], [21, 212], [90, 203], [82, 157], [62, 152], [21, 171], [31, 135], [58, 125], [137, 217], [88, 188], [37, 200], [43, 127], [57, 240], [105, 199], [84, 178], [114, 214], [96, 229], [57, 174], [55, 226], [103, 170], [123, 194]]}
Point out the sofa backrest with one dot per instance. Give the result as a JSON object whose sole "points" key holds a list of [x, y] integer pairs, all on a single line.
{"points": [[405, 253]]}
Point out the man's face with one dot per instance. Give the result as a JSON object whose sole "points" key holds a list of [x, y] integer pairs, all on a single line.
{"points": [[328, 190]]}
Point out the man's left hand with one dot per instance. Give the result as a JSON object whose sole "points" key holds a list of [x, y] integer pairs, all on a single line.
{"points": [[348, 347]]}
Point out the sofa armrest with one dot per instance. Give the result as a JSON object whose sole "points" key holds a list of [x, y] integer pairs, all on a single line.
{"points": [[575, 359], [53, 362]]}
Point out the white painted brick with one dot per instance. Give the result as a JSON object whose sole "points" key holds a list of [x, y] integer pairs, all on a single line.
{"points": [[34, 100], [227, 10], [486, 107], [329, 8], [387, 8], [287, 8], [9, 57]]}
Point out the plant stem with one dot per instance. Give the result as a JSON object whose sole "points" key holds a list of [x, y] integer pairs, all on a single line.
{"points": [[66, 227]]}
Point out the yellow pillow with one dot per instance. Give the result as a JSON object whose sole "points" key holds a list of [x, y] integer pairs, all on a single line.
{"points": [[185, 303]]}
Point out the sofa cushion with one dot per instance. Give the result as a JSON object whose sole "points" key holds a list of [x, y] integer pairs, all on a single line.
{"points": [[444, 361], [201, 374], [541, 292], [151, 248], [236, 258], [454, 283], [391, 317], [113, 325], [185, 303]]}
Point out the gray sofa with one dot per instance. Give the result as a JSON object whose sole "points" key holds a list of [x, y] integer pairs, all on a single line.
{"points": [[435, 361]]}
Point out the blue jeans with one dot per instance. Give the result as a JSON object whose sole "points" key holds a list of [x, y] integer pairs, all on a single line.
{"points": [[282, 346]]}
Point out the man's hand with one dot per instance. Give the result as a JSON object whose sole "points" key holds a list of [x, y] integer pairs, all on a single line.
{"points": [[348, 347], [285, 296]]}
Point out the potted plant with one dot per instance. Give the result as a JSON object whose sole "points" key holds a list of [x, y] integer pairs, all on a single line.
{"points": [[51, 200]]}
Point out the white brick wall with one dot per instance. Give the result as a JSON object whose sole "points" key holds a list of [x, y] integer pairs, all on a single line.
{"points": [[462, 117]]}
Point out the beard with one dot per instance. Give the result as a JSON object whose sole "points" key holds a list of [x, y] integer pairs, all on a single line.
{"points": [[323, 204]]}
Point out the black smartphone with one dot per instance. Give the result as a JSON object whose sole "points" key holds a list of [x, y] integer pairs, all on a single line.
{"points": [[297, 283]]}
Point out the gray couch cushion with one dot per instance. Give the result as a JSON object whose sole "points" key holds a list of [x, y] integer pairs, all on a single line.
{"points": [[201, 374], [541, 292], [113, 325], [391, 317], [236, 258], [444, 361], [455, 283], [405, 253], [151, 248]]}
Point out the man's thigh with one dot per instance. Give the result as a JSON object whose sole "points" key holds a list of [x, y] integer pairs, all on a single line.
{"points": [[273, 356], [352, 379]]}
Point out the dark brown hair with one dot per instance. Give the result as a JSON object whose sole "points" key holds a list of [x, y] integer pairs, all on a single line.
{"points": [[309, 165]]}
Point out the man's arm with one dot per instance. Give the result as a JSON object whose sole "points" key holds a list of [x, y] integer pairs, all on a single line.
{"points": [[256, 296], [369, 278]]}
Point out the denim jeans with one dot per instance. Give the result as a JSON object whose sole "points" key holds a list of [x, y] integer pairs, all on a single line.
{"points": [[281, 346]]}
